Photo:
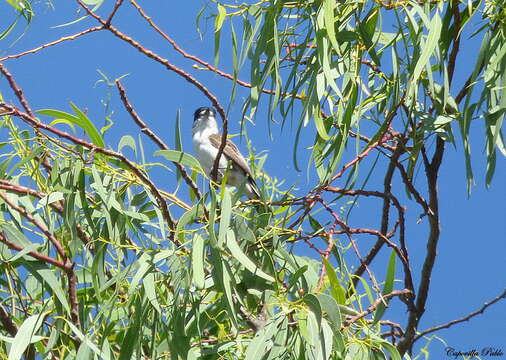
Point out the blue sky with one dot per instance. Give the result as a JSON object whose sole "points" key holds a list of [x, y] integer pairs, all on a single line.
{"points": [[470, 268]]}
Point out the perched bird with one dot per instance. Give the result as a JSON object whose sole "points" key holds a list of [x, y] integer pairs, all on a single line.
{"points": [[207, 141]]}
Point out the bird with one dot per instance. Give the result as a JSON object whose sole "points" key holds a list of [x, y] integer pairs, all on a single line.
{"points": [[206, 142]]}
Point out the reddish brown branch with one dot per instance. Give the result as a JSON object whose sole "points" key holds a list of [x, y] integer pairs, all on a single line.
{"points": [[363, 154], [382, 236], [150, 54], [74, 302], [368, 140], [462, 319], [387, 187], [6, 320], [411, 188], [52, 43], [21, 97], [146, 130], [400, 210], [113, 12], [17, 90], [66, 266], [36, 255], [37, 223]]}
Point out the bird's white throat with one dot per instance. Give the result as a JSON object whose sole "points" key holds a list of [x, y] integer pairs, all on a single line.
{"points": [[203, 128]]}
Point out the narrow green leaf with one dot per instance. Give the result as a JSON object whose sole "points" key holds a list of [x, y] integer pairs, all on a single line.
{"points": [[296, 276], [226, 214], [43, 273], [394, 353], [259, 345], [240, 256], [82, 337], [320, 126], [132, 337], [279, 344], [151, 291], [180, 158], [88, 127], [80, 120], [328, 8], [6, 32], [222, 14], [198, 261], [329, 305], [357, 351], [26, 335], [389, 285], [336, 290], [428, 49], [227, 282], [49, 199], [129, 141], [314, 304]]}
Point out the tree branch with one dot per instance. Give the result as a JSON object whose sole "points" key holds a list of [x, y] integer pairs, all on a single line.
{"points": [[432, 171], [52, 43], [17, 90], [465, 318]]}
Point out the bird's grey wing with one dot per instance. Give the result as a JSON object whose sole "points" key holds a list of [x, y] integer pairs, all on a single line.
{"points": [[231, 152]]}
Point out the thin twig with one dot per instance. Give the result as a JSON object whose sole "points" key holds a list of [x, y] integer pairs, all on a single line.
{"points": [[113, 12], [462, 319], [400, 210], [387, 187], [411, 188], [383, 138], [17, 90], [21, 97], [159, 59], [52, 43]]}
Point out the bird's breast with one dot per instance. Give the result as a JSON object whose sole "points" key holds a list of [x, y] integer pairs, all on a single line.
{"points": [[206, 153]]}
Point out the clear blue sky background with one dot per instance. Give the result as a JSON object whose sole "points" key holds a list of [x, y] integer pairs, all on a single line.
{"points": [[471, 262]]}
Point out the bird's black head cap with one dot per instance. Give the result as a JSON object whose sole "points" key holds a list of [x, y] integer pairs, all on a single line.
{"points": [[203, 111]]}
